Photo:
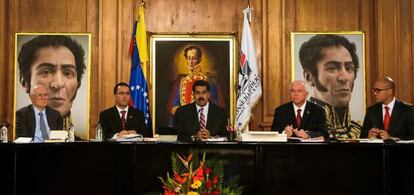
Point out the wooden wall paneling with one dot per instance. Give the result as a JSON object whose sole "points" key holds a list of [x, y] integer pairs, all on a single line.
{"points": [[12, 26], [92, 26], [108, 36], [44, 15], [412, 47], [387, 38], [169, 16], [76, 15], [127, 12], [289, 25], [3, 65], [404, 74], [368, 20], [272, 77], [327, 15], [194, 16]]}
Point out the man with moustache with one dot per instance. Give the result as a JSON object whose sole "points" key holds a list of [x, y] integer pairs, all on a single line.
{"points": [[56, 62], [182, 88], [330, 65], [121, 119], [300, 118], [389, 118], [201, 119], [38, 119]]}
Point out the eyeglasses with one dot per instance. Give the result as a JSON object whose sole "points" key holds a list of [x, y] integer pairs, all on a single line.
{"points": [[377, 90]]}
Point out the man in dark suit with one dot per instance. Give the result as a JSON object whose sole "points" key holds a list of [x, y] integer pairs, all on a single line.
{"points": [[121, 119], [389, 118], [30, 120], [299, 117], [201, 119]]}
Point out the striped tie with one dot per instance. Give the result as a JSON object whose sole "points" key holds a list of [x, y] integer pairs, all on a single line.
{"points": [[202, 119]]}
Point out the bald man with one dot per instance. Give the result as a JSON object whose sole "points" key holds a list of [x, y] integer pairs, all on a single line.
{"points": [[37, 119], [389, 118], [299, 117]]}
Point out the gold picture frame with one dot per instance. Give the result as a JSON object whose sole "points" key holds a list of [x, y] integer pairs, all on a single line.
{"points": [[357, 102], [79, 102], [168, 64]]}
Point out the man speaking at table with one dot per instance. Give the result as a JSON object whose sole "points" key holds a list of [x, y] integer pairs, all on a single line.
{"points": [[121, 119], [201, 119], [299, 117]]}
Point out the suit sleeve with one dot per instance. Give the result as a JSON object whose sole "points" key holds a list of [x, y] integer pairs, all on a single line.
{"points": [[59, 122], [20, 124], [410, 125], [276, 125], [179, 126], [223, 125], [105, 126], [320, 128], [367, 125]]}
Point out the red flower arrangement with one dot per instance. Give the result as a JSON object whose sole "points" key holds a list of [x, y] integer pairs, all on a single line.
{"points": [[192, 176]]}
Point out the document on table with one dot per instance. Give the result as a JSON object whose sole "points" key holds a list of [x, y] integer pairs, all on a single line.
{"points": [[23, 140], [375, 141]]}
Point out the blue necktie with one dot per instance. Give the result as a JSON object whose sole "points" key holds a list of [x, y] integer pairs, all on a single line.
{"points": [[42, 125]]}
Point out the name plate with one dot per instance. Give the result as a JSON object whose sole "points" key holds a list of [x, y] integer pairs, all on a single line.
{"points": [[263, 136]]}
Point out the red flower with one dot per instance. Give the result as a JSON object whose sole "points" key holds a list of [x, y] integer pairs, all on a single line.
{"points": [[215, 180], [179, 179], [208, 170], [169, 193], [198, 174], [209, 184]]}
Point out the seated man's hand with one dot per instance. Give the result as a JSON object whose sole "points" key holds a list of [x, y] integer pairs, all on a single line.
{"points": [[203, 134], [126, 132], [301, 133], [373, 133], [383, 134], [289, 130], [132, 132]]}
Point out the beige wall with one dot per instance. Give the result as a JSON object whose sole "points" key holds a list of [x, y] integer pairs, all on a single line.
{"points": [[388, 25]]}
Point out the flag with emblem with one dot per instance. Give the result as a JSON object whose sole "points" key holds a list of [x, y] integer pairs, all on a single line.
{"points": [[249, 87], [139, 57]]}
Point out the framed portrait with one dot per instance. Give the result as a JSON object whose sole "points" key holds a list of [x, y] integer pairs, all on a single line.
{"points": [[333, 66], [177, 61], [61, 63]]}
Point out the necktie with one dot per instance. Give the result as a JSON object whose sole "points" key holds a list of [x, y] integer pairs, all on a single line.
{"points": [[386, 118], [299, 118], [202, 119], [123, 119], [42, 125]]}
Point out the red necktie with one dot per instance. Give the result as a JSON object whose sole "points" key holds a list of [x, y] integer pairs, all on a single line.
{"points": [[123, 119], [386, 118], [202, 119], [299, 118]]}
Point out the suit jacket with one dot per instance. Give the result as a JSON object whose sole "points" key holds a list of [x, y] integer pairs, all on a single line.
{"points": [[26, 121], [111, 123], [401, 121], [186, 121], [313, 119]]}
